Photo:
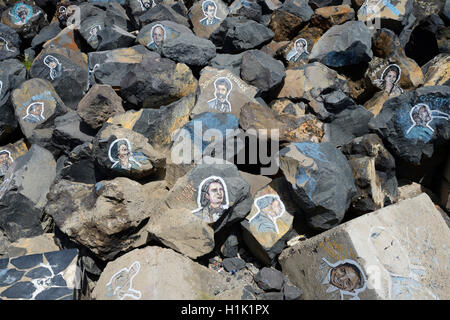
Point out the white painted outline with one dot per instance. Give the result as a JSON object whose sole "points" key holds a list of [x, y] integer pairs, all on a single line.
{"points": [[274, 221], [97, 27], [137, 292], [144, 8], [440, 115], [226, 97], [294, 51], [151, 33], [206, 16], [199, 194], [6, 44], [342, 292], [130, 157], [52, 76], [28, 110]]}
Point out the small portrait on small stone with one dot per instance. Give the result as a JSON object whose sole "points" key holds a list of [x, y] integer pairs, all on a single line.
{"points": [[4, 45], [345, 276], [5, 161], [270, 208], [55, 67], [121, 155], [209, 8], [146, 4], [389, 79], [35, 113], [212, 199], [422, 116], [121, 283], [299, 52], [158, 36], [93, 33], [222, 90]]}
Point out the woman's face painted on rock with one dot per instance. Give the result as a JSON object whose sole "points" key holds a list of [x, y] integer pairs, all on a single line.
{"points": [[391, 77]]}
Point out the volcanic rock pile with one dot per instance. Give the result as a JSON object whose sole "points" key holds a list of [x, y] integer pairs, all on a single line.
{"points": [[219, 149]]}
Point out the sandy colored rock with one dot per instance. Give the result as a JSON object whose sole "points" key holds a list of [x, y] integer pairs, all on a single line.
{"points": [[326, 17], [437, 71], [395, 253]]}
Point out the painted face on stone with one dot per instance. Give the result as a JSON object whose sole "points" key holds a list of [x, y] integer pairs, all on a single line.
{"points": [[273, 210], [37, 110], [4, 158], [221, 92], [345, 278], [210, 12], [158, 36], [123, 152], [300, 47], [22, 13], [215, 194], [52, 65], [423, 116], [147, 4], [391, 77]]}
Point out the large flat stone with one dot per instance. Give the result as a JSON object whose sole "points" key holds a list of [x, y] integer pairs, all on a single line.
{"points": [[398, 252]]}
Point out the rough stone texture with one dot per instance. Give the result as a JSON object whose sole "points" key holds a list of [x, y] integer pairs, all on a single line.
{"points": [[157, 81], [169, 275], [344, 45], [234, 201], [321, 180], [350, 123], [65, 38], [400, 253], [171, 30], [9, 43], [262, 71], [109, 67], [139, 160], [189, 49], [237, 34], [291, 128], [402, 135], [45, 34], [26, 26], [233, 264], [9, 153], [12, 74], [162, 12], [181, 231], [292, 292], [326, 17], [437, 71], [48, 276], [227, 61], [309, 34], [98, 105], [197, 17], [108, 217], [239, 93], [287, 19], [269, 279], [312, 82], [69, 75], [78, 165], [40, 93], [158, 125], [374, 172], [23, 193], [266, 229]]}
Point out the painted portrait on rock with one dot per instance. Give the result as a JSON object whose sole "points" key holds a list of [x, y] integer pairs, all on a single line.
{"points": [[222, 90], [35, 113], [5, 162], [389, 80], [212, 199], [54, 66], [209, 8], [158, 35], [299, 52], [269, 209], [344, 276], [121, 155]]}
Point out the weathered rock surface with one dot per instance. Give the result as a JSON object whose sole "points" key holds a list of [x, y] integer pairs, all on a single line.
{"points": [[23, 193], [9, 43], [321, 180], [98, 105], [108, 217], [381, 261], [344, 45], [169, 274]]}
